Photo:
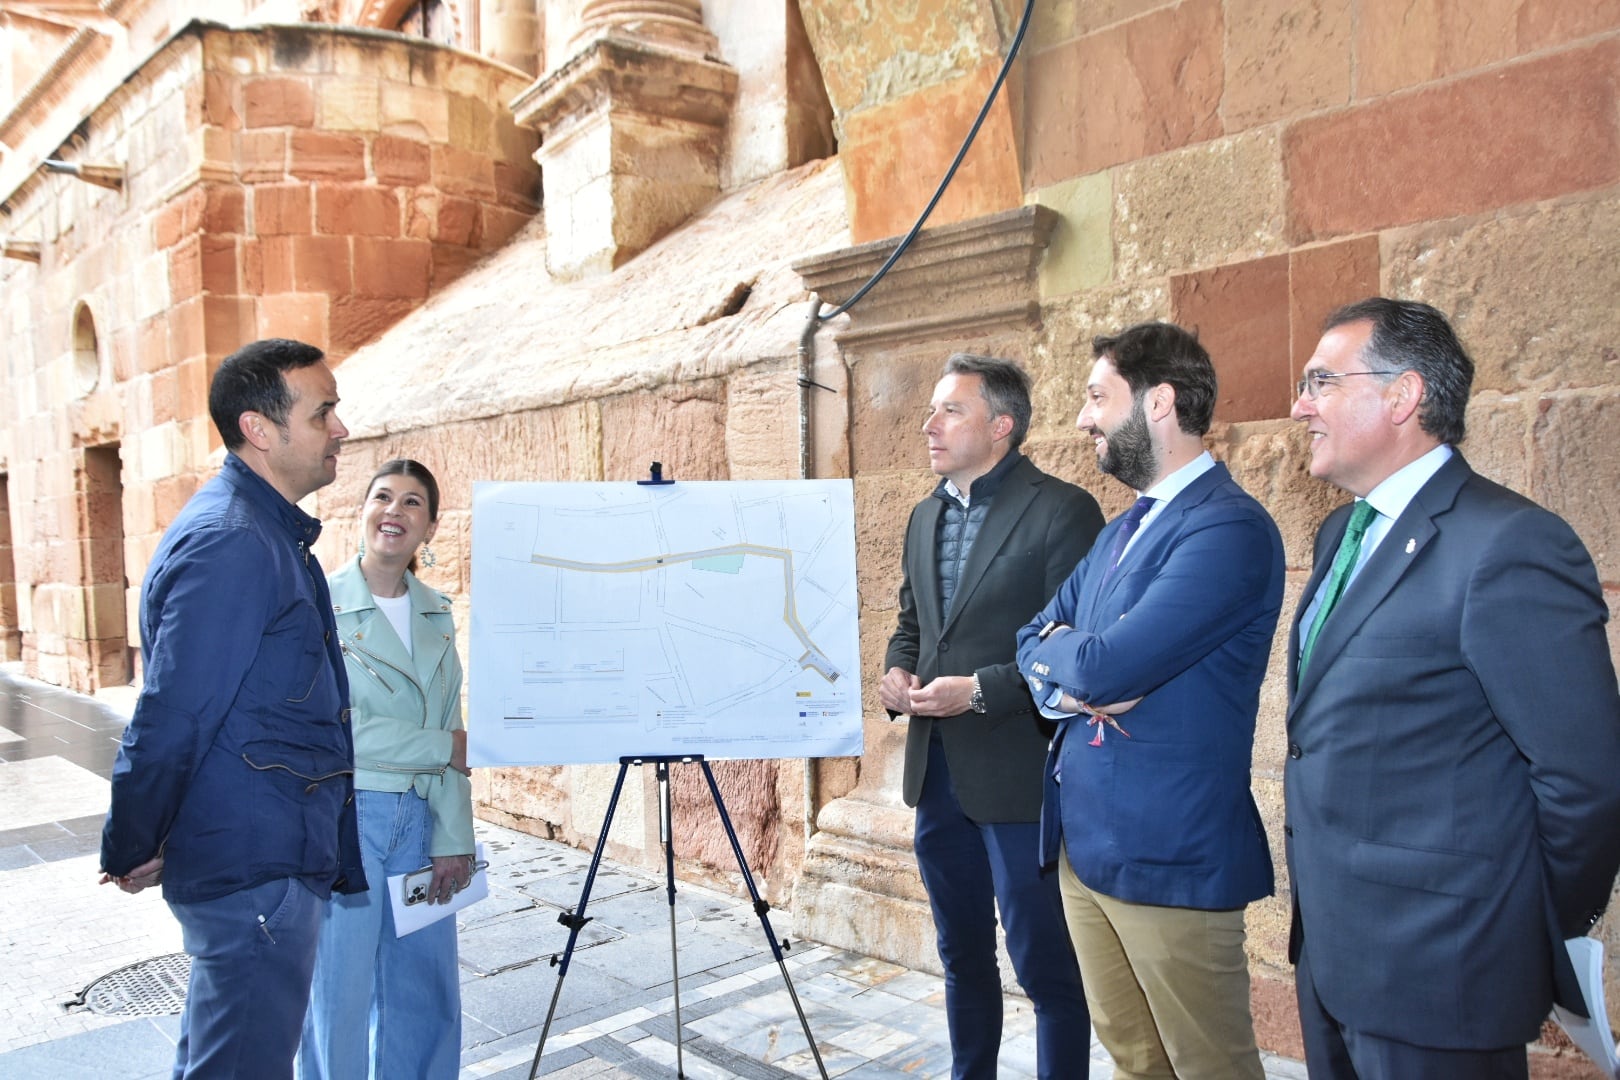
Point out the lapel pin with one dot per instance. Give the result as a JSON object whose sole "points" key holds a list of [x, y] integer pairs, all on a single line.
{"points": [[1411, 544]]}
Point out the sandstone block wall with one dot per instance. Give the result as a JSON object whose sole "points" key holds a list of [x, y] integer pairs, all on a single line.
{"points": [[298, 182], [1243, 167]]}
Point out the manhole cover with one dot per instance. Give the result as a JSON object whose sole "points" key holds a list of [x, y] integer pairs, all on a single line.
{"points": [[155, 987]]}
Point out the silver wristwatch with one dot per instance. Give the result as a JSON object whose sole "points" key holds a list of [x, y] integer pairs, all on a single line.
{"points": [[976, 702]]}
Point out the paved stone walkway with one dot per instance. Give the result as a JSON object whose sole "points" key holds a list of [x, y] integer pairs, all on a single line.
{"points": [[59, 932]]}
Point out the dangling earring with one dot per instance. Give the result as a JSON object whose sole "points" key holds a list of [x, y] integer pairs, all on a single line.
{"points": [[426, 556], [362, 547]]}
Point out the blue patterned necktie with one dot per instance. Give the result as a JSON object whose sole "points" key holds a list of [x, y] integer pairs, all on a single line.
{"points": [[1127, 529], [1339, 576]]}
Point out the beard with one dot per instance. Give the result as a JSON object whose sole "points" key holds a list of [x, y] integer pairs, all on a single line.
{"points": [[1130, 457]]}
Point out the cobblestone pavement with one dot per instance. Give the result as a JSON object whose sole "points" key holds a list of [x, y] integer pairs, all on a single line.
{"points": [[60, 932]]}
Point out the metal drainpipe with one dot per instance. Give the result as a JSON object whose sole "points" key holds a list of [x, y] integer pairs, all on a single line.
{"points": [[807, 365]]}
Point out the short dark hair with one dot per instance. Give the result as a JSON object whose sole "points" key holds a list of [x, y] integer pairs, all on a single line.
{"points": [[416, 471], [1005, 387], [251, 380], [1411, 336], [1151, 353]]}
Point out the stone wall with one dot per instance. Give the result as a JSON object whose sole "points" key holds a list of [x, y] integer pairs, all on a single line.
{"points": [[295, 181], [1243, 167]]}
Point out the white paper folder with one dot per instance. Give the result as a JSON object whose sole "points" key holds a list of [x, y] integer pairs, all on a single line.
{"points": [[1591, 1035], [407, 892]]}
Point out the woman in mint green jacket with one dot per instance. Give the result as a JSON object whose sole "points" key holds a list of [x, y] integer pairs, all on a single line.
{"points": [[382, 1005]]}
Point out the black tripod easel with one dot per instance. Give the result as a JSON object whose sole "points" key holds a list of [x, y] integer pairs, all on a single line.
{"points": [[576, 919]]}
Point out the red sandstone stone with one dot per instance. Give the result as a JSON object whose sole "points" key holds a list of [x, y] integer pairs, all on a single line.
{"points": [[188, 330], [357, 211], [1241, 314], [462, 172], [124, 361], [170, 494], [165, 395], [391, 269], [356, 320], [219, 264], [395, 160], [321, 264], [1322, 279], [228, 322], [224, 209], [1125, 92], [185, 270], [182, 216], [322, 155], [151, 346], [1404, 43], [1526, 131], [894, 156], [300, 316], [517, 186], [500, 225], [261, 155], [421, 213], [278, 101], [459, 222], [219, 100], [450, 262], [191, 388], [1285, 58], [269, 265], [280, 209]]}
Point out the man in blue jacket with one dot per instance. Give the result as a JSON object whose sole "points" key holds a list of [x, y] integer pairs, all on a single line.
{"points": [[1150, 657], [234, 784]]}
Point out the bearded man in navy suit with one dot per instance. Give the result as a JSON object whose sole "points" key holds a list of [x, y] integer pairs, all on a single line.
{"points": [[1150, 657], [1453, 782]]}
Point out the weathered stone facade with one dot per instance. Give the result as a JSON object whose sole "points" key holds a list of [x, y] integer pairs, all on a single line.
{"points": [[1242, 166], [296, 181]]}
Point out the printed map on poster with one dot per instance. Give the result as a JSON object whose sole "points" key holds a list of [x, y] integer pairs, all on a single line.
{"points": [[714, 618]]}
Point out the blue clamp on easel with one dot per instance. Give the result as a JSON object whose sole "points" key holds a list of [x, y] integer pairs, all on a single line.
{"points": [[656, 469]]}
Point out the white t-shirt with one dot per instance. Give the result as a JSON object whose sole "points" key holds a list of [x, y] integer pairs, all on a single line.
{"points": [[398, 610]]}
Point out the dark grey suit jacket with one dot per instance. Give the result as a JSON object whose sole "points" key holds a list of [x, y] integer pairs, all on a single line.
{"points": [[1037, 530], [1453, 780]]}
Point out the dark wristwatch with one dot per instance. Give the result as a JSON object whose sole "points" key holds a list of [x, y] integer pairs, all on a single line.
{"points": [[976, 702]]}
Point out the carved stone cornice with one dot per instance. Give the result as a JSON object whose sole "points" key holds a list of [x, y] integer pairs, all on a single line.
{"points": [[72, 64], [965, 278], [629, 75]]}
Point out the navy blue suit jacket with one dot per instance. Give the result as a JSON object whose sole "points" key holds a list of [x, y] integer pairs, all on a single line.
{"points": [[1453, 781], [1165, 816]]}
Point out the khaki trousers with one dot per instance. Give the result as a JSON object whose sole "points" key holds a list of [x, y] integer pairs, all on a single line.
{"points": [[1168, 987]]}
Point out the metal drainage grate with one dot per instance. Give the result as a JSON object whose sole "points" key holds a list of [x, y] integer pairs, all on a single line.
{"points": [[155, 987]]}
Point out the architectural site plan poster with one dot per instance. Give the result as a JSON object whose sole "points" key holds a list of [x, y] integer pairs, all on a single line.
{"points": [[708, 617]]}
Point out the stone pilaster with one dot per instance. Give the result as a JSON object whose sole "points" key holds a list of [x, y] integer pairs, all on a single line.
{"points": [[632, 128], [972, 285]]}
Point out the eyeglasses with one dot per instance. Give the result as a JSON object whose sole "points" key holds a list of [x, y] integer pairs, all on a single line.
{"points": [[1311, 385]]}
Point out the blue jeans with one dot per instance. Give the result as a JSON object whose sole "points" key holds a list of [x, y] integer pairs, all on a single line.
{"points": [[384, 1006], [969, 870], [252, 952]]}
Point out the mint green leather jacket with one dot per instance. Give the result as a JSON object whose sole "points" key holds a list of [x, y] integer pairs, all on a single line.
{"points": [[404, 707]]}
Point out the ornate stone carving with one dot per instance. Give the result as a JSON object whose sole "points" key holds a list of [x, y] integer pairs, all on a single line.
{"points": [[972, 277], [632, 128]]}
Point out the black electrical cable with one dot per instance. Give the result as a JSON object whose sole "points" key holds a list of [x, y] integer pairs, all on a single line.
{"points": [[950, 174]]}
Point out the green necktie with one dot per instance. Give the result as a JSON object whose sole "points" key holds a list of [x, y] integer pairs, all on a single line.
{"points": [[1339, 576]]}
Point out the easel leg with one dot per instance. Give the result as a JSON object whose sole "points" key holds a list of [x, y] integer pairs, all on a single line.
{"points": [[762, 909], [666, 835], [575, 920]]}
